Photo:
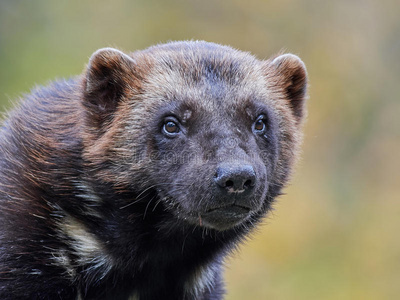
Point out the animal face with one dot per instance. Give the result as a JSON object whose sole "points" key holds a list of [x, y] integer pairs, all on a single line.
{"points": [[212, 130], [211, 159]]}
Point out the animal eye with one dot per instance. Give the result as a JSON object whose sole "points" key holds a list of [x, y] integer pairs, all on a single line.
{"points": [[170, 127], [259, 124]]}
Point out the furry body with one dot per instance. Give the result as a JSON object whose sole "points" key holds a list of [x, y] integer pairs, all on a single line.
{"points": [[138, 177]]}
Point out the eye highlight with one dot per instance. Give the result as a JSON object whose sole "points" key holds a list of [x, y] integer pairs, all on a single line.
{"points": [[260, 124], [170, 128]]}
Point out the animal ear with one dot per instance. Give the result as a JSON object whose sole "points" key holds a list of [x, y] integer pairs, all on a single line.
{"points": [[292, 76], [107, 76]]}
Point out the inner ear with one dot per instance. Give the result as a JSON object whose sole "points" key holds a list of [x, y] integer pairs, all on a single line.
{"points": [[108, 75], [292, 76]]}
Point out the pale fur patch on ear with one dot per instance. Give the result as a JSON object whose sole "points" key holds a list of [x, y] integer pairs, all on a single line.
{"points": [[110, 76], [103, 62], [292, 77]]}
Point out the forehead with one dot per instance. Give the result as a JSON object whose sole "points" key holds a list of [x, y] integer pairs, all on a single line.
{"points": [[206, 79]]}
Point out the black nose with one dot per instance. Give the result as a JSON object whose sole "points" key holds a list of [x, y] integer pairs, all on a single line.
{"points": [[235, 178]]}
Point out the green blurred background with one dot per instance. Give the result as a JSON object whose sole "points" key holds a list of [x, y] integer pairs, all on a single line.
{"points": [[335, 235]]}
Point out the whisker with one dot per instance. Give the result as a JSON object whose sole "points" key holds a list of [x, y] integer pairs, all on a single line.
{"points": [[147, 206], [138, 198]]}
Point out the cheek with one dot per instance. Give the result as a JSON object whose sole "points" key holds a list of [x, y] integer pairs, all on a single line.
{"points": [[269, 150], [191, 183], [168, 166], [263, 154]]}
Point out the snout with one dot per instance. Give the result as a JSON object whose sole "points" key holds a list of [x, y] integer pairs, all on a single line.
{"points": [[234, 186], [235, 178]]}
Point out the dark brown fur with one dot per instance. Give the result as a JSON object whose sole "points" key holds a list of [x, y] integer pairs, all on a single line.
{"points": [[97, 201]]}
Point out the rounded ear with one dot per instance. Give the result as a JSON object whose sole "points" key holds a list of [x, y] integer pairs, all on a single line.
{"points": [[292, 75], [108, 74]]}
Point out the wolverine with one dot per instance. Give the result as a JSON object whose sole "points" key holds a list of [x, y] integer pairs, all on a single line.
{"points": [[136, 179]]}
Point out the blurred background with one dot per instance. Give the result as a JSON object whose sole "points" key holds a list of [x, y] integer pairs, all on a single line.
{"points": [[335, 235]]}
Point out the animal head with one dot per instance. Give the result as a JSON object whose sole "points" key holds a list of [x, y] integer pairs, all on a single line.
{"points": [[214, 131]]}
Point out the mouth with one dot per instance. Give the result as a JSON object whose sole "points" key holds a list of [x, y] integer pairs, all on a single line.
{"points": [[225, 217], [234, 208]]}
